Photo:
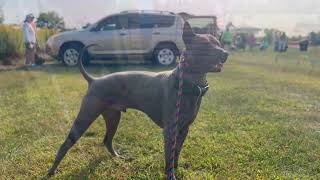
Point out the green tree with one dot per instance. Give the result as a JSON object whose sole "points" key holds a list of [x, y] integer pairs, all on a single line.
{"points": [[1, 16], [50, 20]]}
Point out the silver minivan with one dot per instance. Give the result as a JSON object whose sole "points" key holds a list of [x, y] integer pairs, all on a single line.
{"points": [[155, 35]]}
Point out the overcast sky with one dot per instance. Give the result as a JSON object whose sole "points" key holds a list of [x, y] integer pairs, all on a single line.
{"points": [[293, 16]]}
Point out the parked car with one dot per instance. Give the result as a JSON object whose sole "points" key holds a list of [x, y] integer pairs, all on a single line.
{"points": [[156, 35]]}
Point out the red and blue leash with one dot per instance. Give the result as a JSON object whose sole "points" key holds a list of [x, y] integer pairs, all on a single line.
{"points": [[174, 126]]}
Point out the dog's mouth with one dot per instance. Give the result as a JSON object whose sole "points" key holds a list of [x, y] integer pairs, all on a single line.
{"points": [[217, 67]]}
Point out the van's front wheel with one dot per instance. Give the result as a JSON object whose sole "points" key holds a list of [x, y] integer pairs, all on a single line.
{"points": [[70, 55]]}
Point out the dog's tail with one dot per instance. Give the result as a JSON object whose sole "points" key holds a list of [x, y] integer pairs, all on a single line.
{"points": [[84, 73]]}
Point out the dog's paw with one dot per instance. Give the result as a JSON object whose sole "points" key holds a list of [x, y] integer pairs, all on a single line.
{"points": [[119, 157], [115, 154], [51, 173]]}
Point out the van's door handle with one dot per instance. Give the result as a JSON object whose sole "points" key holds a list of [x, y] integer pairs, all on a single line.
{"points": [[123, 34], [156, 33]]}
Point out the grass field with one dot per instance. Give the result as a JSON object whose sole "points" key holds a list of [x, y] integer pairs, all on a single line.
{"points": [[259, 120]]}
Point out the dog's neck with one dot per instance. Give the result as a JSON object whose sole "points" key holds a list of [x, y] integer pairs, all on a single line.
{"points": [[194, 78], [197, 79], [190, 75]]}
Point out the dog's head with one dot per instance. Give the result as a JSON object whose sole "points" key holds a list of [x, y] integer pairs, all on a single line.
{"points": [[203, 52]]}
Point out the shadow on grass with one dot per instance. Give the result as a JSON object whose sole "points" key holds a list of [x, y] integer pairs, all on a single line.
{"points": [[87, 170], [95, 68], [84, 172]]}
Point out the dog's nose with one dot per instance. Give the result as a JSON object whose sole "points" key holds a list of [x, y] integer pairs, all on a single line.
{"points": [[225, 56]]}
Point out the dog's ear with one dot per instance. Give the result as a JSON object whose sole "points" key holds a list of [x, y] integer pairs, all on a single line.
{"points": [[188, 33]]}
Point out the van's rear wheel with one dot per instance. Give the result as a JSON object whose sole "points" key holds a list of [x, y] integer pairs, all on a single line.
{"points": [[165, 55]]}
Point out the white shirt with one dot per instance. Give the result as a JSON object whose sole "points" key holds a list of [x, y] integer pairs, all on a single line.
{"points": [[29, 33]]}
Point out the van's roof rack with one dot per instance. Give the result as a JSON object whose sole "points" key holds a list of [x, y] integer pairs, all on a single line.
{"points": [[148, 11], [187, 16]]}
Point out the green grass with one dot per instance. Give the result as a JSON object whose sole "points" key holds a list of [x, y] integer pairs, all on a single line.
{"points": [[259, 120]]}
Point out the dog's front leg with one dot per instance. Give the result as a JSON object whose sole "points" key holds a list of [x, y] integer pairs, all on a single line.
{"points": [[168, 119], [167, 149], [168, 145], [180, 140]]}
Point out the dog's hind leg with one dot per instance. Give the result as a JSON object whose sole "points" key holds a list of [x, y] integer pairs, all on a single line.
{"points": [[112, 118], [91, 108]]}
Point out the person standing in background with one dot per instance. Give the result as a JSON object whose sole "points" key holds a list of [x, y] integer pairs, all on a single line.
{"points": [[251, 41], [30, 40], [227, 38], [276, 39], [265, 43], [240, 41], [283, 44]]}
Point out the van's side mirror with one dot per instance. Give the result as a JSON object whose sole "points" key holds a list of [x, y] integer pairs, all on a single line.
{"points": [[86, 26], [94, 29]]}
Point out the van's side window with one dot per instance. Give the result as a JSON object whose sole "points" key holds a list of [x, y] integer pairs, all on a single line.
{"points": [[109, 24], [162, 21]]}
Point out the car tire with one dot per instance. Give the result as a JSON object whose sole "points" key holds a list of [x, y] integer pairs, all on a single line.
{"points": [[165, 55], [70, 55]]}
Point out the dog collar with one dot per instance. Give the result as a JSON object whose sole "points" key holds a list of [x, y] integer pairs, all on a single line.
{"points": [[191, 89]]}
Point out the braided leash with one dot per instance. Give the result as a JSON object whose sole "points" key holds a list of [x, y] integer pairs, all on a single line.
{"points": [[174, 125]]}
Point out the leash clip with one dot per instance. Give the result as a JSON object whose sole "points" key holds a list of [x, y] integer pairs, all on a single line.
{"points": [[203, 90]]}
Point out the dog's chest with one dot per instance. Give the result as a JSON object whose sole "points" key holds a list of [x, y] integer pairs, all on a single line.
{"points": [[189, 109]]}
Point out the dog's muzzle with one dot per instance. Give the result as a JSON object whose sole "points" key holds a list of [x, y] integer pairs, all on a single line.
{"points": [[224, 56]]}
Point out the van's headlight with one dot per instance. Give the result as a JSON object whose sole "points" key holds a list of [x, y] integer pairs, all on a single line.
{"points": [[51, 44], [51, 40]]}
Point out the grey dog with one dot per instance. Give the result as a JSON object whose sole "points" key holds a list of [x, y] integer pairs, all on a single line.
{"points": [[152, 93]]}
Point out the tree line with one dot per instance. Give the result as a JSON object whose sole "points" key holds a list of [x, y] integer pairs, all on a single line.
{"points": [[50, 20]]}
